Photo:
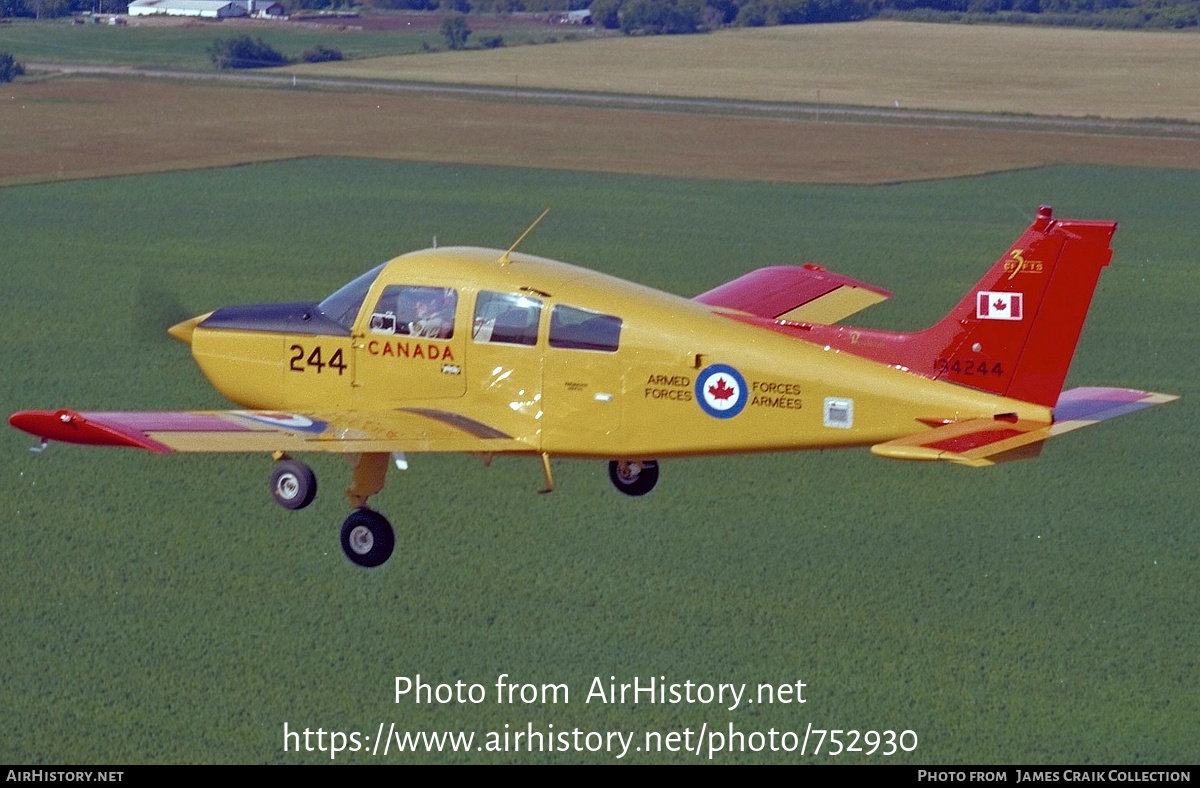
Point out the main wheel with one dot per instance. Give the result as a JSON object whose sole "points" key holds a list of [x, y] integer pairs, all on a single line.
{"points": [[293, 484], [367, 538], [632, 477]]}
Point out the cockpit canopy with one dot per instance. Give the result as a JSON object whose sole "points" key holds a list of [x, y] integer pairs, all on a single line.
{"points": [[506, 318], [343, 305]]}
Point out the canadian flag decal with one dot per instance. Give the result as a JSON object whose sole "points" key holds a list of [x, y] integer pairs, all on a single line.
{"points": [[998, 306]]}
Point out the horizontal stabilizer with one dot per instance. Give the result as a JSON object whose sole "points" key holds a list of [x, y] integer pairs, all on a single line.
{"points": [[980, 442], [807, 294]]}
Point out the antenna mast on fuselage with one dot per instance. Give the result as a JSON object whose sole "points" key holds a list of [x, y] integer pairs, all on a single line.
{"points": [[504, 257]]}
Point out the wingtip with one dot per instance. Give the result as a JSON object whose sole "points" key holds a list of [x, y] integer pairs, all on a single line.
{"points": [[70, 426]]}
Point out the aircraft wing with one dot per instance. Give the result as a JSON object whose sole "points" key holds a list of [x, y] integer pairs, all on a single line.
{"points": [[980, 442], [806, 294], [402, 429]]}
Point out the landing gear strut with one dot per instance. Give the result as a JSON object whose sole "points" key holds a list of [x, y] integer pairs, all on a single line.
{"points": [[633, 477], [367, 536]]}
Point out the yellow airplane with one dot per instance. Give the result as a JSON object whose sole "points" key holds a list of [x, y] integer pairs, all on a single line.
{"points": [[496, 352]]}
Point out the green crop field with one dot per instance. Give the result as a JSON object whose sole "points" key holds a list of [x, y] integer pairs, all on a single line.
{"points": [[163, 609], [184, 47]]}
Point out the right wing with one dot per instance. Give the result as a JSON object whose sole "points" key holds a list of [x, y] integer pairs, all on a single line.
{"points": [[164, 432]]}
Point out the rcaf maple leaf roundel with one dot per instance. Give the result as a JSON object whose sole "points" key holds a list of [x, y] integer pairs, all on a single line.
{"points": [[721, 391]]}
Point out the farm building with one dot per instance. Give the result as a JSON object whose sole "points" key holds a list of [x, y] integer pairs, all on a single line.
{"points": [[580, 17], [207, 9]]}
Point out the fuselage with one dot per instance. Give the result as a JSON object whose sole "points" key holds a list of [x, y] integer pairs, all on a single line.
{"points": [[568, 361]]}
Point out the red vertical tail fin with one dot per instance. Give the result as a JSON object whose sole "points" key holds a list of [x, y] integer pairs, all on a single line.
{"points": [[1015, 332]]}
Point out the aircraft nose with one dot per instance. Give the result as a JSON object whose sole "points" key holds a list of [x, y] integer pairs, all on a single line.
{"points": [[183, 331]]}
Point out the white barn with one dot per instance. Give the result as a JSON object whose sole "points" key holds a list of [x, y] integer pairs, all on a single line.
{"points": [[207, 9], [581, 17]]}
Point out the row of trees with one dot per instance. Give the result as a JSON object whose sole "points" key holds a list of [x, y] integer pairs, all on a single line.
{"points": [[1085, 13], [247, 52], [690, 16], [46, 9], [685, 16], [458, 6]]}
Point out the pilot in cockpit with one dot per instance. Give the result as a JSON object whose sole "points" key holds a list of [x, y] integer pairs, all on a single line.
{"points": [[432, 314], [415, 311]]}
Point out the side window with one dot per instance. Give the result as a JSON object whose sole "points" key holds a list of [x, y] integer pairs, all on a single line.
{"points": [[580, 329], [506, 318], [414, 311]]}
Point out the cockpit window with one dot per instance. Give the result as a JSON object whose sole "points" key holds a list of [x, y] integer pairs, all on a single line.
{"points": [[414, 311], [342, 307], [571, 327], [507, 318]]}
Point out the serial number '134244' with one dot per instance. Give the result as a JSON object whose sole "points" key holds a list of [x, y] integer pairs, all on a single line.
{"points": [[314, 360], [968, 366]]}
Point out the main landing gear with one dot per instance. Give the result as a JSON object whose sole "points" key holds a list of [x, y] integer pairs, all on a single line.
{"points": [[367, 537], [293, 484], [633, 477]]}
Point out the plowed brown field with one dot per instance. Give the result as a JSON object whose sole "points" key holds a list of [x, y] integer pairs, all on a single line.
{"points": [[89, 127]]}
